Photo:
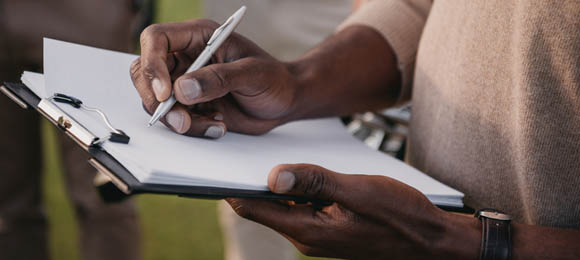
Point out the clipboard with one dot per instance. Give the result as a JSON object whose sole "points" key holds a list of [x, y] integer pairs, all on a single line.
{"points": [[114, 181]]}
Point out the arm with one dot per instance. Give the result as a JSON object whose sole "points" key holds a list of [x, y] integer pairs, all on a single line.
{"points": [[246, 90], [375, 217], [353, 71], [537, 242]]}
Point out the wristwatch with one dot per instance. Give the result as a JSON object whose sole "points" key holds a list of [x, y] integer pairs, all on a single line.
{"points": [[496, 241]]}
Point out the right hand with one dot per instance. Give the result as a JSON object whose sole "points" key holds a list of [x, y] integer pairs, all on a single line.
{"points": [[242, 89]]}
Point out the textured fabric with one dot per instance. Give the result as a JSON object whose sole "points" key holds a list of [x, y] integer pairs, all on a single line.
{"points": [[496, 102], [405, 20]]}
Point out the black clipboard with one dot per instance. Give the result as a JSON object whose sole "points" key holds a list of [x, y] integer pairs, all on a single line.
{"points": [[120, 182]]}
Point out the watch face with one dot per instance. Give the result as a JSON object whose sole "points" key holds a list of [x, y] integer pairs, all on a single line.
{"points": [[493, 214]]}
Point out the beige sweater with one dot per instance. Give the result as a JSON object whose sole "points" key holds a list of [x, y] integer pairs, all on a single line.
{"points": [[496, 99]]}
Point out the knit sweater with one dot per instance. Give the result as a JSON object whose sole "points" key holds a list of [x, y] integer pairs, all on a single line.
{"points": [[495, 92]]}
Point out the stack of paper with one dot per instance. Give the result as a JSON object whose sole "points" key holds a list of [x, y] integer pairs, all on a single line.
{"points": [[100, 78]]}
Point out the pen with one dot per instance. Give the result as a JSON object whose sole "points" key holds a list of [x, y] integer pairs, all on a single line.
{"points": [[215, 41]]}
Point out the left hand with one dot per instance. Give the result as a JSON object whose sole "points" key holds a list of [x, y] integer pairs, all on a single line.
{"points": [[372, 217]]}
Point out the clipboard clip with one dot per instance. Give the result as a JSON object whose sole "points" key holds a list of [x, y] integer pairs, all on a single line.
{"points": [[116, 136]]}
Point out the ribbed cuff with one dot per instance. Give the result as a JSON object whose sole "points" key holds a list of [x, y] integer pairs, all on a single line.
{"points": [[401, 23]]}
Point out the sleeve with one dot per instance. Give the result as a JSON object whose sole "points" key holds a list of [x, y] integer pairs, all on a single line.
{"points": [[401, 23]]}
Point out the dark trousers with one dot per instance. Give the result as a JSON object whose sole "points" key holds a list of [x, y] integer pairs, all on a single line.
{"points": [[107, 231]]}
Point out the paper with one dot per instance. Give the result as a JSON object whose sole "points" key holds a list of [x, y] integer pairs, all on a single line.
{"points": [[100, 78], [35, 82]]}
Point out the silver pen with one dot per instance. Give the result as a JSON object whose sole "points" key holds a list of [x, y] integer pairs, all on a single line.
{"points": [[217, 38]]}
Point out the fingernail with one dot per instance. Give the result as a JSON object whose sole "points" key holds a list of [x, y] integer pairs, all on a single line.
{"points": [[176, 120], [218, 117], [157, 86], [285, 182], [215, 131], [190, 88]]}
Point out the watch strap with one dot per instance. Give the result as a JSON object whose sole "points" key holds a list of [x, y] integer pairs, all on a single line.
{"points": [[496, 239]]}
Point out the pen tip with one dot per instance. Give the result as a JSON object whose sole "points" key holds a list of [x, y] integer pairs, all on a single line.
{"points": [[149, 124]]}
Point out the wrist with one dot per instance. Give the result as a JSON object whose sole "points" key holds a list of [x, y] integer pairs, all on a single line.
{"points": [[303, 73], [354, 70], [462, 239]]}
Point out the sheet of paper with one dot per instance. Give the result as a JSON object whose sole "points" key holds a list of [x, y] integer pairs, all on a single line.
{"points": [[35, 82], [100, 78]]}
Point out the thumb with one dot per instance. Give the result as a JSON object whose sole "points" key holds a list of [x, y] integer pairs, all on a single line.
{"points": [[306, 180], [213, 81]]}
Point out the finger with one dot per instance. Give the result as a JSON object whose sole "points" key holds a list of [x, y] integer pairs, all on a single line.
{"points": [[209, 127], [142, 86], [316, 182], [182, 121], [160, 39], [181, 64], [178, 119], [305, 180], [235, 119], [364, 194], [296, 222], [217, 80]]}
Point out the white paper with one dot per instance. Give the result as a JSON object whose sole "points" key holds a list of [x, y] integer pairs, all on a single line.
{"points": [[35, 82], [100, 78]]}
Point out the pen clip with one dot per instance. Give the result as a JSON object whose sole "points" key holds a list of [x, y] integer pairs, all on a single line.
{"points": [[219, 30]]}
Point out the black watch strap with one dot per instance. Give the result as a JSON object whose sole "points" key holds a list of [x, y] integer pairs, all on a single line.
{"points": [[496, 239]]}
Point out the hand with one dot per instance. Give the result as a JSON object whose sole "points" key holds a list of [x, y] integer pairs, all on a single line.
{"points": [[372, 217], [242, 89]]}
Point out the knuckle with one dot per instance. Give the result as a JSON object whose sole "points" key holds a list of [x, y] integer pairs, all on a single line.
{"points": [[219, 76], [243, 210], [151, 31], [148, 107], [135, 67], [318, 182], [148, 70]]}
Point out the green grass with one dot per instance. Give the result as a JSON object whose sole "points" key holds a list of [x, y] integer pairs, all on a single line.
{"points": [[63, 237], [178, 10], [172, 227]]}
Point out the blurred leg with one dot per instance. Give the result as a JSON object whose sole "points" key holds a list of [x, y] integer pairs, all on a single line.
{"points": [[247, 240], [107, 230], [23, 227], [284, 28]]}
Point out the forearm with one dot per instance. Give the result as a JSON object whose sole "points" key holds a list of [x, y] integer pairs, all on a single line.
{"points": [[537, 242], [353, 71]]}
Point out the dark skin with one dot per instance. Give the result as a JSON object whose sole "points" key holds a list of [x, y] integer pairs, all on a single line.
{"points": [[246, 90]]}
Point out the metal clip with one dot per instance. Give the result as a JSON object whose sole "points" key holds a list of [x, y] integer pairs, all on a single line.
{"points": [[219, 30], [117, 136], [64, 123], [61, 98]]}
